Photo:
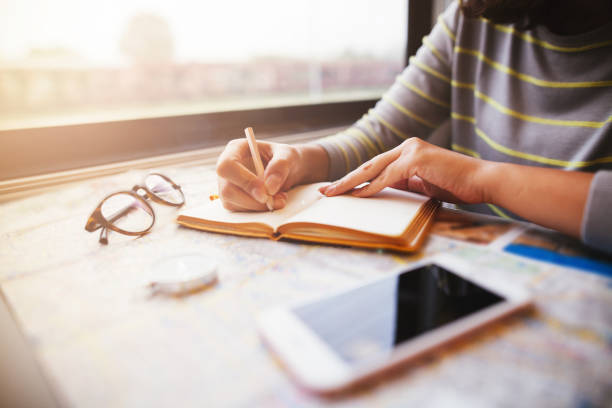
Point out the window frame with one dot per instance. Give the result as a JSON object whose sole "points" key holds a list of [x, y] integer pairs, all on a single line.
{"points": [[69, 147], [31, 152]]}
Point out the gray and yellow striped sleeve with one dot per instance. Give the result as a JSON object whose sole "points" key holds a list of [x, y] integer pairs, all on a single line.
{"points": [[415, 105]]}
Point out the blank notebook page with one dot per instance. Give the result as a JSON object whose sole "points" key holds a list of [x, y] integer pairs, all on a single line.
{"points": [[299, 198], [388, 212]]}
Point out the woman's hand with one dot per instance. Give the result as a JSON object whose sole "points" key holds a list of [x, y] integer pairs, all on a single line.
{"points": [[550, 197], [421, 167], [285, 166]]}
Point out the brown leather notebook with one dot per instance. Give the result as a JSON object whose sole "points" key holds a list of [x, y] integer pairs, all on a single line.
{"points": [[391, 219]]}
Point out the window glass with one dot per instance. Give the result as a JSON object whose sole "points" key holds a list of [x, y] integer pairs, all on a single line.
{"points": [[76, 61]]}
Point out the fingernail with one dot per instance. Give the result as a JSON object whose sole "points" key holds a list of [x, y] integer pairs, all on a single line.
{"points": [[270, 204], [259, 194], [273, 183]]}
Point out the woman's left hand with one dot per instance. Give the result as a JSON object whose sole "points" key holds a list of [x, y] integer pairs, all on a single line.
{"points": [[554, 198], [418, 166]]}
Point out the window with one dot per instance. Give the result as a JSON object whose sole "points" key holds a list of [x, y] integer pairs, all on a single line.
{"points": [[86, 83], [81, 61]]}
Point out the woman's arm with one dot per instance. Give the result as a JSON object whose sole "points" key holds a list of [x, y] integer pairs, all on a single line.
{"points": [[552, 198], [549, 197]]}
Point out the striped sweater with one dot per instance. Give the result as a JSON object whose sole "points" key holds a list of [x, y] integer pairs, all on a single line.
{"points": [[528, 97]]}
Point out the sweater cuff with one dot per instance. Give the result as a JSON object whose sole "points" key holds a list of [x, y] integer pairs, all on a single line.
{"points": [[596, 228]]}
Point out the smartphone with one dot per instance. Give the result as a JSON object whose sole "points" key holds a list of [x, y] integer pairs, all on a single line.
{"points": [[337, 342]]}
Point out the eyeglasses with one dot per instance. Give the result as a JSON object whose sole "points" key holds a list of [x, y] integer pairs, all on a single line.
{"points": [[129, 213]]}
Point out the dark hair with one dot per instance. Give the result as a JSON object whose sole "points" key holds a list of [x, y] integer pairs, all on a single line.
{"points": [[524, 12]]}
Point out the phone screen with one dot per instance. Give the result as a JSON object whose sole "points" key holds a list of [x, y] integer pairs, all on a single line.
{"points": [[372, 320]]}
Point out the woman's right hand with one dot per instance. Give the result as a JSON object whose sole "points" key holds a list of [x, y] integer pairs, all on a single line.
{"points": [[285, 166]]}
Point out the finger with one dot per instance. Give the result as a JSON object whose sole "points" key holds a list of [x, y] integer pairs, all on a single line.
{"points": [[411, 184], [323, 188], [418, 185], [390, 175], [401, 185], [279, 203], [363, 173], [414, 184], [277, 170], [231, 168], [234, 199]]}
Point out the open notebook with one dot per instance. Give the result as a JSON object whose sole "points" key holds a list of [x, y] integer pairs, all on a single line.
{"points": [[391, 219]]}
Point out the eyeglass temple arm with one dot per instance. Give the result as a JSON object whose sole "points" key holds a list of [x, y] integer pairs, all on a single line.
{"points": [[123, 212], [103, 236], [93, 224]]}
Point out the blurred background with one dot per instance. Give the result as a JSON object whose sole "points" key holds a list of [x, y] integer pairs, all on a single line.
{"points": [[80, 61]]}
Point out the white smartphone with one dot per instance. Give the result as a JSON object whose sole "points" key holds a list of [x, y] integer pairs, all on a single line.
{"points": [[334, 343]]}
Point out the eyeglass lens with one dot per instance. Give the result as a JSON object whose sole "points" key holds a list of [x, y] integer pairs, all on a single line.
{"points": [[127, 213], [163, 189]]}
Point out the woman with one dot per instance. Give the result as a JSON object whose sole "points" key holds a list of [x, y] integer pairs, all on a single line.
{"points": [[527, 87]]}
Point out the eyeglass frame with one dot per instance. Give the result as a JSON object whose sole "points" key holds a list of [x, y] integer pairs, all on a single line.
{"points": [[96, 220]]}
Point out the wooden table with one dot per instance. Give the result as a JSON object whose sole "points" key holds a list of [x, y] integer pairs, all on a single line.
{"points": [[100, 338]]}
